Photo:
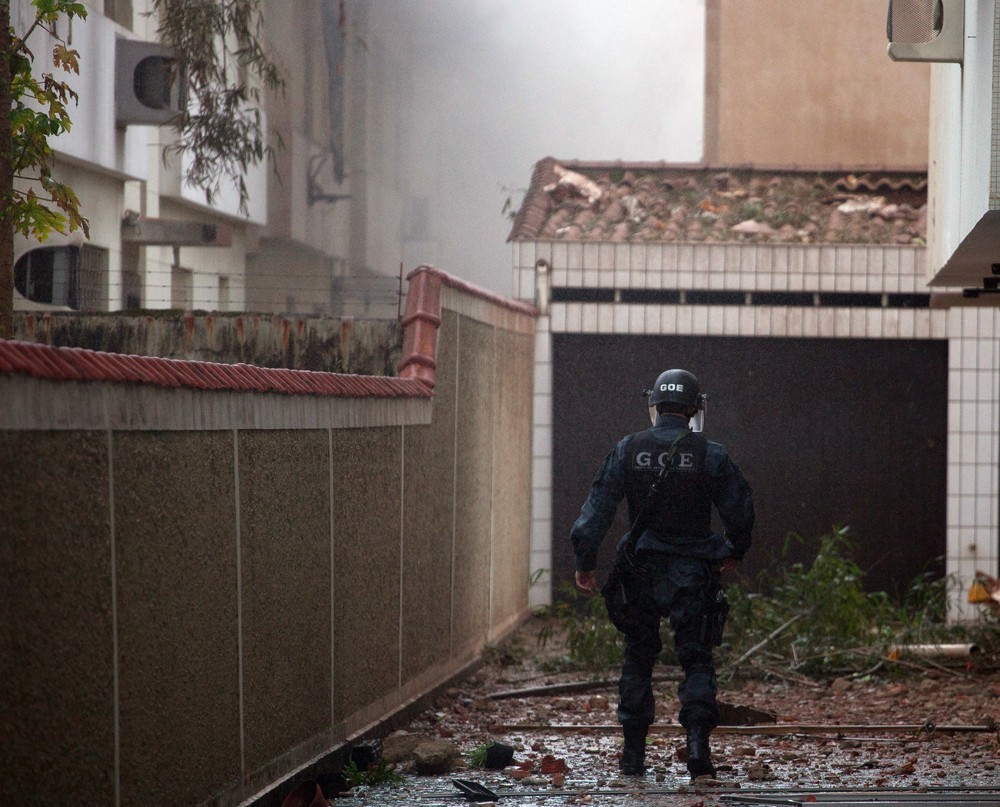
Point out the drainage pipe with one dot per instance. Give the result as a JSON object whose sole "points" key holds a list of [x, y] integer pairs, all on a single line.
{"points": [[934, 650]]}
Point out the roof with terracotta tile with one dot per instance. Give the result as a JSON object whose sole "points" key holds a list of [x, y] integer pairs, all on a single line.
{"points": [[416, 368], [570, 200]]}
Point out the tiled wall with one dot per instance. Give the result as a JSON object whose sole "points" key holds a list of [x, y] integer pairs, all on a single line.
{"points": [[995, 116], [972, 333], [541, 467], [743, 267]]}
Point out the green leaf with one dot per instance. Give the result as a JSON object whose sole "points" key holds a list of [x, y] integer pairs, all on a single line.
{"points": [[58, 210]]}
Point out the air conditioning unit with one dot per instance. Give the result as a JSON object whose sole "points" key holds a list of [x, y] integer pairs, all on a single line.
{"points": [[148, 83], [926, 30]]}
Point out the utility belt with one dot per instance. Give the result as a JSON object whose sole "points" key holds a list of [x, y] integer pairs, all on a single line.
{"points": [[628, 577], [625, 575]]}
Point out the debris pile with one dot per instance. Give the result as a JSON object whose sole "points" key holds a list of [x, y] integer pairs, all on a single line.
{"points": [[560, 746], [675, 203], [809, 695]]}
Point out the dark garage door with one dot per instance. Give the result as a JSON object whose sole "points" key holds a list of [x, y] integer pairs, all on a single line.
{"points": [[828, 431]]}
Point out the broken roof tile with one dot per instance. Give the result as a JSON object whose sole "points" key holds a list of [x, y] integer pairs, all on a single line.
{"points": [[700, 202]]}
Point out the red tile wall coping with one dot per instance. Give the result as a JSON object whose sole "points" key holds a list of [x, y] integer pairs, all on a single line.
{"points": [[77, 364], [423, 317]]}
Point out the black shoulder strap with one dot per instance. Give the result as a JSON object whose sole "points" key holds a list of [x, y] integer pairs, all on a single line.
{"points": [[645, 517]]}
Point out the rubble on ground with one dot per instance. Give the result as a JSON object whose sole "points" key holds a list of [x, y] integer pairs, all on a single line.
{"points": [[586, 759]]}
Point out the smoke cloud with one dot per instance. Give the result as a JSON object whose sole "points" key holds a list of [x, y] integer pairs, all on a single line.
{"points": [[485, 88]]}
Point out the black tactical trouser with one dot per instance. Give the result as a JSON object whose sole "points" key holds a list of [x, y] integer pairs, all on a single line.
{"points": [[678, 588]]}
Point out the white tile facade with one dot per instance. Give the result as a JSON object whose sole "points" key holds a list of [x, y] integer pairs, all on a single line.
{"points": [[541, 467], [972, 333]]}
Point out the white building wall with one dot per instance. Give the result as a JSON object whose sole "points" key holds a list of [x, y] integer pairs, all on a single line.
{"points": [[962, 129], [944, 166], [98, 159], [93, 138], [977, 107], [972, 333]]}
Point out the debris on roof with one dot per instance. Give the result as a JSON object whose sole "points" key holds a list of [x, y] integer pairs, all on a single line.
{"points": [[574, 183], [577, 201]]}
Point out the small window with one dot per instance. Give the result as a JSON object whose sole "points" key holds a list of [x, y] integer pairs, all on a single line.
{"points": [[131, 276], [120, 11], [223, 293], [92, 277], [181, 287]]}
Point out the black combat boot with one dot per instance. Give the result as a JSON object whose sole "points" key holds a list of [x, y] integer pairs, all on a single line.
{"points": [[699, 760], [633, 758]]}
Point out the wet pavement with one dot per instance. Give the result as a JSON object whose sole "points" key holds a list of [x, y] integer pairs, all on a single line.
{"points": [[872, 765]]}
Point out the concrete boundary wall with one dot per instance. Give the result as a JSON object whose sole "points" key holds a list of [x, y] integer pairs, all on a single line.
{"points": [[209, 589], [322, 343], [38, 403]]}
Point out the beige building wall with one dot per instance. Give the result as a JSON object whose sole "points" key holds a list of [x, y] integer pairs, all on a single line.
{"points": [[809, 82]]}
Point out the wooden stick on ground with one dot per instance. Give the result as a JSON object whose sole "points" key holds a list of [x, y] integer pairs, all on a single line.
{"points": [[876, 654], [768, 729], [795, 678], [573, 686], [776, 632]]}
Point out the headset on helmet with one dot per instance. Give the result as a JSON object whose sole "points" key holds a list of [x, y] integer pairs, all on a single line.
{"points": [[680, 387]]}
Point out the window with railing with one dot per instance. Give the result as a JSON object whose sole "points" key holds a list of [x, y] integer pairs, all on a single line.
{"points": [[75, 277]]}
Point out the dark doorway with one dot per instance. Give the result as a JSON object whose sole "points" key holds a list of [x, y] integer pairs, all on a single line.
{"points": [[828, 432]]}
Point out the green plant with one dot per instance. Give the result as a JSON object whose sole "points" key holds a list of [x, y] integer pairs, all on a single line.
{"points": [[381, 774], [833, 611], [829, 624], [219, 44], [593, 642], [36, 107], [780, 218], [535, 577], [477, 756], [507, 653], [751, 210], [510, 207], [39, 110], [838, 625]]}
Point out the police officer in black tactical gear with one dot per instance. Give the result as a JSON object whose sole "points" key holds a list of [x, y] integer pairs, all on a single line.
{"points": [[678, 558]]}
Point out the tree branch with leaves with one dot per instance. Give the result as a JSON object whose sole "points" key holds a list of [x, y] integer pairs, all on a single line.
{"points": [[219, 52], [33, 109], [218, 45]]}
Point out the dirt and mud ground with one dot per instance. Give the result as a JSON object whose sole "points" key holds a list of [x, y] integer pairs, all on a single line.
{"points": [[840, 759]]}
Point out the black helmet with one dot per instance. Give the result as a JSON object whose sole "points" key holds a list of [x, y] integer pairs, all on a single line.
{"points": [[676, 386]]}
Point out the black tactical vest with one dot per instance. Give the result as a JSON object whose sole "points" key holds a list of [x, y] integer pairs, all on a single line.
{"points": [[685, 508]]}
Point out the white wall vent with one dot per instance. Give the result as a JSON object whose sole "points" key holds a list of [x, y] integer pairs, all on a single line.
{"points": [[926, 30], [148, 84]]}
